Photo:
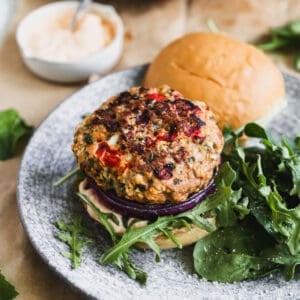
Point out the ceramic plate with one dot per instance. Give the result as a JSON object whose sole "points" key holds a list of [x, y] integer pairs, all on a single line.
{"points": [[48, 157]]}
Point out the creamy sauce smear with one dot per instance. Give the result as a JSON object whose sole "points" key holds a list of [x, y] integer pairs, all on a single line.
{"points": [[50, 38]]}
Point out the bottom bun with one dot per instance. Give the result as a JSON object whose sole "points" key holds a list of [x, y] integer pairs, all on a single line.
{"points": [[185, 236]]}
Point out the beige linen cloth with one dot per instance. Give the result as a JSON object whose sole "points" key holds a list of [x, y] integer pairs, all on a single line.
{"points": [[150, 25]]}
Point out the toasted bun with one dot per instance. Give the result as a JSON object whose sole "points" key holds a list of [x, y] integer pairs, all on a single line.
{"points": [[185, 236], [238, 81]]}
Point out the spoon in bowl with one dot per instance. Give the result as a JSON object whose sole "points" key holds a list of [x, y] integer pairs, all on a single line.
{"points": [[82, 5]]}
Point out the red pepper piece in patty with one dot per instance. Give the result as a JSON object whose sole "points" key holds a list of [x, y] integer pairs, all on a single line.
{"points": [[163, 137], [111, 160], [156, 96], [108, 156]]}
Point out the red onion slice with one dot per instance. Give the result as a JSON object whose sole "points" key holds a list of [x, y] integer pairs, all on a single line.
{"points": [[149, 211]]}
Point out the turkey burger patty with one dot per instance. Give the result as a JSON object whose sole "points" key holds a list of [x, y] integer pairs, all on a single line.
{"points": [[149, 145]]}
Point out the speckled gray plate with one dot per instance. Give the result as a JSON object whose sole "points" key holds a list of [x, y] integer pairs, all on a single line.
{"points": [[48, 157]]}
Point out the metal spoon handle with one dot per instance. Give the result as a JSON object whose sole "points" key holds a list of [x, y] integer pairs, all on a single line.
{"points": [[82, 5]]}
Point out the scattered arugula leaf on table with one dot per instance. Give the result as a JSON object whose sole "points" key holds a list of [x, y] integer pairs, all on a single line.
{"points": [[12, 129], [7, 290], [283, 39], [76, 237]]}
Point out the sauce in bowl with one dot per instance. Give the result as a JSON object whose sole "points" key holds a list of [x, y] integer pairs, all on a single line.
{"points": [[51, 50], [50, 36]]}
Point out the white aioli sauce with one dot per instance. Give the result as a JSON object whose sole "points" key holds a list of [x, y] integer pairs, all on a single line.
{"points": [[50, 37]]}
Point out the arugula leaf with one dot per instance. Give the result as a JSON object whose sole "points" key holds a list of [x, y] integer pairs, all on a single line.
{"points": [[103, 218], [135, 235], [76, 237], [132, 270], [124, 262], [235, 207], [284, 38], [231, 136], [276, 42], [68, 176], [232, 210], [234, 253], [284, 221], [7, 290], [12, 129]]}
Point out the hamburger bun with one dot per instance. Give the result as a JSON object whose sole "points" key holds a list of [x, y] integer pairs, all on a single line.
{"points": [[185, 236], [238, 81]]}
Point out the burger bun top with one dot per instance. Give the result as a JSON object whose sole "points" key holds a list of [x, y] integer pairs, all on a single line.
{"points": [[236, 80]]}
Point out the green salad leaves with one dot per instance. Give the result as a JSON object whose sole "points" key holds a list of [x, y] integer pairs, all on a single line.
{"points": [[284, 39], [256, 205], [12, 129], [7, 290], [267, 183]]}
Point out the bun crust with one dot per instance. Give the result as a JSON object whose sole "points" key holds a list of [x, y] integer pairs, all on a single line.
{"points": [[186, 236], [237, 81]]}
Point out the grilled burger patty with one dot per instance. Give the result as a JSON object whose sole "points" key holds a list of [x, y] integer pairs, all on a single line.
{"points": [[149, 145]]}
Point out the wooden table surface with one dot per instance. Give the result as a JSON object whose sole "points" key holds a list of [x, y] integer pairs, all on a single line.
{"points": [[150, 25]]}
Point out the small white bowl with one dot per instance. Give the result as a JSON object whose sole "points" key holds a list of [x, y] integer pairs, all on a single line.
{"points": [[77, 70]]}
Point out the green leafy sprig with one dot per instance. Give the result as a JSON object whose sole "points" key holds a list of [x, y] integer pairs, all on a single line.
{"points": [[7, 290], [284, 38], [67, 177], [105, 219], [76, 237], [12, 129]]}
